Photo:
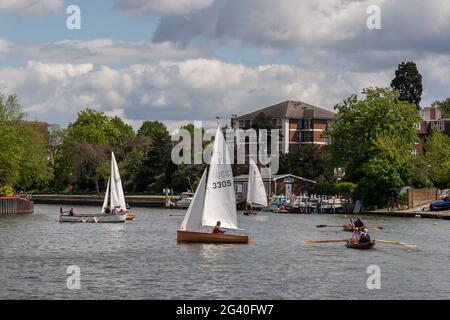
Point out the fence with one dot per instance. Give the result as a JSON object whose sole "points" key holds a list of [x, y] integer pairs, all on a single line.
{"points": [[15, 205]]}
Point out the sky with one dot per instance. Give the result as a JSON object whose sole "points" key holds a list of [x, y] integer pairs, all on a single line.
{"points": [[183, 60]]}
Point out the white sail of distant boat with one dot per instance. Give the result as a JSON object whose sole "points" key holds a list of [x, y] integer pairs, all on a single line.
{"points": [[214, 201], [256, 193], [117, 197], [105, 201]]}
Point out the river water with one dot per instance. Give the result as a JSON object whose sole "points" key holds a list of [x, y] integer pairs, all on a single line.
{"points": [[141, 259]]}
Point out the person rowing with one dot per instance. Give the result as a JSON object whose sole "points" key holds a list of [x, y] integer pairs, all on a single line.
{"points": [[358, 223], [217, 229], [364, 237]]}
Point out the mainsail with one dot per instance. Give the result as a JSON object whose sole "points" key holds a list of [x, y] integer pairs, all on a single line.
{"points": [[117, 197], [220, 200], [256, 193]]}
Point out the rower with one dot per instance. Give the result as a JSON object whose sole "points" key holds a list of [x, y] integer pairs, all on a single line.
{"points": [[358, 223], [364, 238], [356, 235], [217, 229]]}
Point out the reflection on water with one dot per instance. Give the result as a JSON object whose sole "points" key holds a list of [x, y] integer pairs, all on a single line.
{"points": [[141, 259]]}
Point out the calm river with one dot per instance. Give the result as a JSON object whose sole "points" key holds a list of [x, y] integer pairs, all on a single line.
{"points": [[141, 259]]}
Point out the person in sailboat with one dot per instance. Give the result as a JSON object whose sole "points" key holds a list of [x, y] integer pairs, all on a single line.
{"points": [[108, 209], [217, 229]]}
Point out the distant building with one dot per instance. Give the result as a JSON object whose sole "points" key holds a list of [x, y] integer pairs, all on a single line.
{"points": [[430, 121], [300, 123], [280, 184]]}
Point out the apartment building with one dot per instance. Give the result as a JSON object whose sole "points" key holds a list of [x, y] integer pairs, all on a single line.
{"points": [[300, 123]]}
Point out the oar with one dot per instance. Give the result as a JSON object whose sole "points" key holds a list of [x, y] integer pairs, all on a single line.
{"points": [[323, 241], [176, 215], [378, 228], [408, 245], [326, 226]]}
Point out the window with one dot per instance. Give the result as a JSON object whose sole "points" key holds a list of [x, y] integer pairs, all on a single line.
{"points": [[307, 136], [438, 126], [307, 124]]}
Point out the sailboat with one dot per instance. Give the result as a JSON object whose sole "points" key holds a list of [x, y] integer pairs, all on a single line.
{"points": [[213, 201], [256, 193], [114, 208]]}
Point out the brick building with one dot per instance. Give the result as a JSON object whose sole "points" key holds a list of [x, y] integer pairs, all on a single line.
{"points": [[300, 123], [431, 121]]}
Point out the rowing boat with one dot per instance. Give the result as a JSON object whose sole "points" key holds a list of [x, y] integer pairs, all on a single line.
{"points": [[347, 227], [360, 246]]}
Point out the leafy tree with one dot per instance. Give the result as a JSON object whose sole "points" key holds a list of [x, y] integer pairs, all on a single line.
{"points": [[408, 81], [310, 161], [87, 145], [36, 171], [11, 154], [437, 157], [444, 107], [156, 168], [373, 139]]}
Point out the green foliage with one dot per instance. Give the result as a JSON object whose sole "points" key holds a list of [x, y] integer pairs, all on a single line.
{"points": [[95, 127], [444, 107], [185, 176], [373, 139], [11, 155], [437, 157], [409, 82], [343, 189], [310, 161], [6, 191], [10, 109], [261, 121]]}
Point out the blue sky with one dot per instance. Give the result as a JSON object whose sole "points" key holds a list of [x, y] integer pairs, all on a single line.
{"points": [[184, 60]]}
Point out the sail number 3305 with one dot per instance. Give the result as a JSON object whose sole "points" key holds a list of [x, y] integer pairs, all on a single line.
{"points": [[221, 184]]}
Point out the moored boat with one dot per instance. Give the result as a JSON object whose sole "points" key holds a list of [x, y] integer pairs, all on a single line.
{"points": [[360, 246]]}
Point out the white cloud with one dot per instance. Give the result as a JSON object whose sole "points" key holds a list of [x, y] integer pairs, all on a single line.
{"points": [[33, 8], [104, 51], [166, 7]]}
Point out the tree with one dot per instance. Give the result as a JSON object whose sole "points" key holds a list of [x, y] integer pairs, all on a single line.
{"points": [[437, 157], [310, 161], [444, 107], [154, 171], [11, 154], [87, 146], [373, 139], [408, 81]]}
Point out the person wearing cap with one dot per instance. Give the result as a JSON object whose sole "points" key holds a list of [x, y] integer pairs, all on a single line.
{"points": [[217, 229]]}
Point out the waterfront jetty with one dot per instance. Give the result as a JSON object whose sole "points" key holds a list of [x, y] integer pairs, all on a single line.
{"points": [[15, 205], [146, 201]]}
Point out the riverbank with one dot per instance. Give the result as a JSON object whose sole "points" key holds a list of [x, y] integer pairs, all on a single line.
{"points": [[154, 201]]}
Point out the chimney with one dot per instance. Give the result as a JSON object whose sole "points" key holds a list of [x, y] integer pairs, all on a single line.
{"points": [[234, 121]]}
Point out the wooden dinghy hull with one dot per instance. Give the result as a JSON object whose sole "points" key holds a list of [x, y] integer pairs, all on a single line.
{"points": [[131, 217], [95, 218], [250, 213], [361, 246], [203, 237]]}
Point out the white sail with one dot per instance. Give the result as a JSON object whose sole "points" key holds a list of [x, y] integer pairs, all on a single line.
{"points": [[256, 193], [193, 218], [117, 197], [220, 200], [105, 202]]}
